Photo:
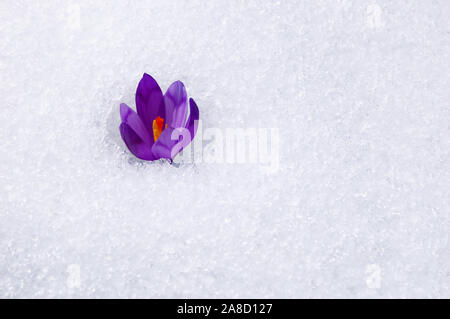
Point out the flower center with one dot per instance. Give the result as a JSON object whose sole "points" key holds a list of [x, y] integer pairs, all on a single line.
{"points": [[157, 127]]}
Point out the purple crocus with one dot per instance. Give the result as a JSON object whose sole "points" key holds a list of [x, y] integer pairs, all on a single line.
{"points": [[161, 128]]}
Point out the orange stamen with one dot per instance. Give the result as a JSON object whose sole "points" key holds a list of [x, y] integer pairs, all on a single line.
{"points": [[157, 127]]}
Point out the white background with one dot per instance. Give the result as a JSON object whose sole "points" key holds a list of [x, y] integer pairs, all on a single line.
{"points": [[360, 93]]}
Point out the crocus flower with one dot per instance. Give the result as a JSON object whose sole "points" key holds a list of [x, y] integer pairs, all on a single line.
{"points": [[161, 128]]}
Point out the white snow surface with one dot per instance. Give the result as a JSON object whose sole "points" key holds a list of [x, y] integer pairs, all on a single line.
{"points": [[360, 205]]}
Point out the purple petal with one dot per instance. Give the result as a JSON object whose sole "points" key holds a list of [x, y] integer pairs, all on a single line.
{"points": [[166, 147], [130, 118], [135, 144], [175, 105], [135, 134], [194, 115], [148, 100]]}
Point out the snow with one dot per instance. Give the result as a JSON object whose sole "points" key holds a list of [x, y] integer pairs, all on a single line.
{"points": [[357, 90]]}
